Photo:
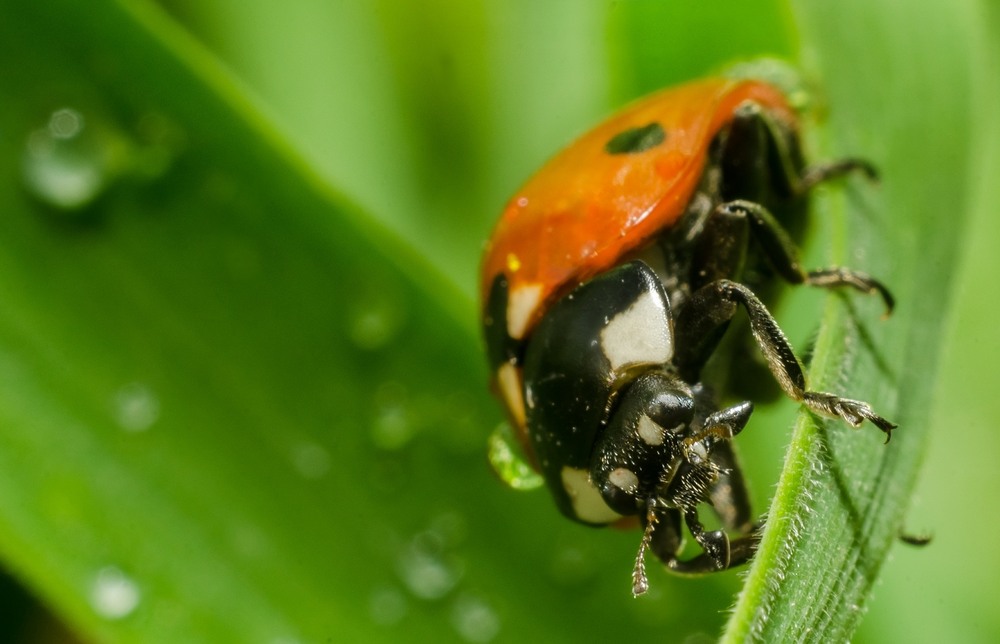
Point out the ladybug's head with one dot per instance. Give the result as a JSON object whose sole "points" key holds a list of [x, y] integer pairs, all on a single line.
{"points": [[642, 446], [656, 456], [658, 445]]}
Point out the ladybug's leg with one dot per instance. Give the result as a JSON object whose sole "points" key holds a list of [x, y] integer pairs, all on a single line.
{"points": [[758, 145], [783, 255], [702, 321], [818, 174], [740, 551], [714, 543], [719, 553], [663, 536]]}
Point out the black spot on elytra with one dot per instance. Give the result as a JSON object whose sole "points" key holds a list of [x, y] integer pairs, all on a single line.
{"points": [[636, 139]]}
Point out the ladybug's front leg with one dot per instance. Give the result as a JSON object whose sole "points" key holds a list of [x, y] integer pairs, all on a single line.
{"points": [[720, 552], [662, 535], [699, 327]]}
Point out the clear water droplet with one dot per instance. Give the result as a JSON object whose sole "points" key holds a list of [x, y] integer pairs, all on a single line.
{"points": [[392, 427], [113, 594], [136, 407], [508, 460], [311, 460], [426, 570], [68, 163], [387, 605], [475, 620]]}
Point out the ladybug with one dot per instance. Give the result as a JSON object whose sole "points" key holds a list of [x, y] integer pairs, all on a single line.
{"points": [[608, 284]]}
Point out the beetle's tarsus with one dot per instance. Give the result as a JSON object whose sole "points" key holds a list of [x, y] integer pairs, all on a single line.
{"points": [[825, 172], [854, 412], [863, 282]]}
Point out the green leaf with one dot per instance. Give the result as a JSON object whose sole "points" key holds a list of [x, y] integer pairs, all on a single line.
{"points": [[901, 91], [235, 406], [219, 379]]}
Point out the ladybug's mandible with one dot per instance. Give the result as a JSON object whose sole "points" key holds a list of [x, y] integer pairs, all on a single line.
{"points": [[609, 282]]}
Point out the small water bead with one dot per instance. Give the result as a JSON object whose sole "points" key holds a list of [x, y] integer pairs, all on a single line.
{"points": [[113, 594], [136, 407], [475, 620], [68, 163], [426, 569], [311, 460], [387, 605], [79, 154], [508, 460], [392, 426]]}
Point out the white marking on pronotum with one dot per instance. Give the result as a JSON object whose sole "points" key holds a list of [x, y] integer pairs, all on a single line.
{"points": [[521, 305], [638, 335], [588, 504]]}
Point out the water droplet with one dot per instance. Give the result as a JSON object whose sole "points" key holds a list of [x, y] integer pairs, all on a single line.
{"points": [[508, 460], [475, 620], [311, 460], [392, 427], [68, 163], [374, 322], [426, 571], [113, 594], [387, 605], [136, 407]]}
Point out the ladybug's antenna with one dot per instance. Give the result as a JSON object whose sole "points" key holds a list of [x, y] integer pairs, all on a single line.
{"points": [[640, 583]]}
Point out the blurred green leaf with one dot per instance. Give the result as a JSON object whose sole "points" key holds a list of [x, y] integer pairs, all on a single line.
{"points": [[210, 372], [236, 407]]}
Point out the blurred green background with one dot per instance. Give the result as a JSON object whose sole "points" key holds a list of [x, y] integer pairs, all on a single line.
{"points": [[242, 398]]}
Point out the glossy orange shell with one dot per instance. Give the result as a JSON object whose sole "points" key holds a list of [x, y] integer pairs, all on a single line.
{"points": [[586, 208]]}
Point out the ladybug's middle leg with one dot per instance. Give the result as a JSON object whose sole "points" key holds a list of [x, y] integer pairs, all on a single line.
{"points": [[704, 318], [782, 253]]}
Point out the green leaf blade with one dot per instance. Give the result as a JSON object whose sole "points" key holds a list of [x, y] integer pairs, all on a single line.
{"points": [[842, 499]]}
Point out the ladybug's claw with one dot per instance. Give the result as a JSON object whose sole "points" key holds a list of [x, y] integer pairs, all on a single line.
{"points": [[854, 412]]}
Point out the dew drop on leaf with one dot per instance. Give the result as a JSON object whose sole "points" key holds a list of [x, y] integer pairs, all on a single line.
{"points": [[72, 160], [375, 321], [427, 570], [392, 427], [136, 407], [78, 155], [311, 460], [387, 605], [113, 594], [508, 460], [475, 620]]}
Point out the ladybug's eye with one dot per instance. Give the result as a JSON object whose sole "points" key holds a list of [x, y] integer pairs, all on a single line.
{"points": [[672, 410]]}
